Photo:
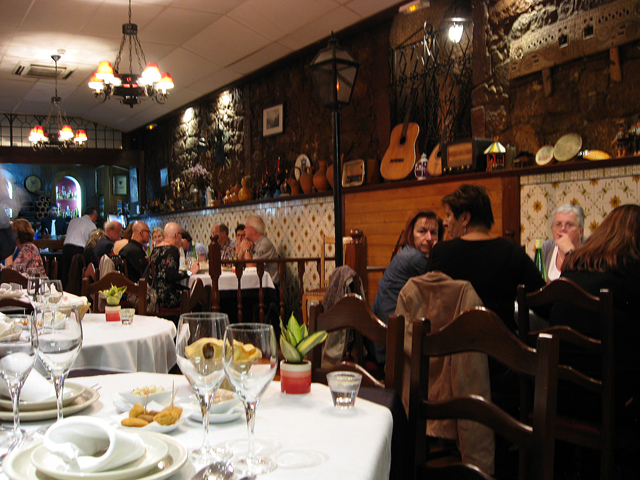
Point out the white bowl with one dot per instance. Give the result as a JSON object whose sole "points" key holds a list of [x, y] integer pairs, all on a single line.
{"points": [[163, 398], [223, 401]]}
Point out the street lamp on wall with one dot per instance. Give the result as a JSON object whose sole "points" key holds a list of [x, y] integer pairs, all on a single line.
{"points": [[334, 73]]}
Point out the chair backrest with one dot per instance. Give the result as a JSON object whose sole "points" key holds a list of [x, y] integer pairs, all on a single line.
{"points": [[51, 267], [196, 299], [324, 278], [90, 272], [119, 280], [15, 305], [481, 330], [600, 349], [9, 275], [352, 312]]}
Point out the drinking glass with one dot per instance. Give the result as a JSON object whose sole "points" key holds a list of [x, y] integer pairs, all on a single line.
{"points": [[199, 351], [33, 284], [250, 371], [17, 356], [59, 342], [51, 291]]}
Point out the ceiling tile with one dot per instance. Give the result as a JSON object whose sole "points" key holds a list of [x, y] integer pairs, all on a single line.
{"points": [[262, 57], [366, 8], [186, 67], [219, 6], [333, 21], [224, 41], [276, 18], [58, 16], [108, 19], [213, 82], [173, 26]]}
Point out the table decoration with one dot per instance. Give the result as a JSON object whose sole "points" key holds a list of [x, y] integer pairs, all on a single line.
{"points": [[295, 343], [113, 297]]}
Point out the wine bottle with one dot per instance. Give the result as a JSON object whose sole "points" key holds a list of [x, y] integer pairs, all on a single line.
{"points": [[539, 261]]}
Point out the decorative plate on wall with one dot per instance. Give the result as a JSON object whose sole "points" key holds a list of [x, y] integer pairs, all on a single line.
{"points": [[32, 183], [302, 162], [544, 155]]}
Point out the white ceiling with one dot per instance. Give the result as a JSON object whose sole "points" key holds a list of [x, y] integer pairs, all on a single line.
{"points": [[203, 44]]}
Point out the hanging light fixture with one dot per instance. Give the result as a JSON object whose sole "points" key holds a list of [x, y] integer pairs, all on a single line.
{"points": [[42, 138], [456, 16], [107, 80]]}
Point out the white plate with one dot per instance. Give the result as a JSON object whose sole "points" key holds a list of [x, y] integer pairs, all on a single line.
{"points": [[302, 161], [12, 293], [153, 426], [155, 450], [17, 465], [88, 397], [163, 398], [230, 416], [544, 155], [71, 392]]}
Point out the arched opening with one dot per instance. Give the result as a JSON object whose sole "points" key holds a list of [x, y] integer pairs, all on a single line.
{"points": [[69, 197]]}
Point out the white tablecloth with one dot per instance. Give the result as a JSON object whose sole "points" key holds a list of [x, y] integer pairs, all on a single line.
{"points": [[146, 346], [229, 281], [353, 444]]}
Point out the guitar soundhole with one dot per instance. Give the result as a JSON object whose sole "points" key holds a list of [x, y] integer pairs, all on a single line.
{"points": [[403, 140]]}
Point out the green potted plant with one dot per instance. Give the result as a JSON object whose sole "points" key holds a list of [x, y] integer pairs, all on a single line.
{"points": [[113, 297], [295, 343]]}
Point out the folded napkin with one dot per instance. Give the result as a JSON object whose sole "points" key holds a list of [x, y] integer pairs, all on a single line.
{"points": [[88, 444], [8, 328], [5, 288], [35, 389], [71, 300]]}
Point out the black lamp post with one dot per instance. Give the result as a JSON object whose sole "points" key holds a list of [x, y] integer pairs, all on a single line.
{"points": [[334, 73]]}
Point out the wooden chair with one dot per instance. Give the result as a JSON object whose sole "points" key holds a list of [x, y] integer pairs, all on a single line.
{"points": [[196, 299], [90, 273], [352, 312], [11, 305], [480, 330], [9, 275], [119, 280], [597, 436], [51, 267]]}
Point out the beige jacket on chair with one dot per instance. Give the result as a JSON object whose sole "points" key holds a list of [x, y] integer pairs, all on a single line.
{"points": [[440, 299]]}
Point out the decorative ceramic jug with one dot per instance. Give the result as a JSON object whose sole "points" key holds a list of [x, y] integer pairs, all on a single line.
{"points": [[245, 192], [306, 181], [330, 175], [292, 181], [320, 178]]}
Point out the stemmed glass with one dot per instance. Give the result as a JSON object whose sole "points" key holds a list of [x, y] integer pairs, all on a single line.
{"points": [[59, 342], [51, 291], [33, 285], [17, 356], [250, 371], [199, 352]]}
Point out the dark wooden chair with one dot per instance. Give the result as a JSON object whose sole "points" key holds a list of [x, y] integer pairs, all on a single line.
{"points": [[480, 330], [352, 312], [9, 275], [198, 298], [589, 434], [91, 290], [11, 305], [90, 273], [51, 267]]}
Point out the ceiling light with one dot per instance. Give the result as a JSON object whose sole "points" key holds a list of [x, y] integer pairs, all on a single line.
{"points": [[42, 138], [457, 15], [107, 80]]}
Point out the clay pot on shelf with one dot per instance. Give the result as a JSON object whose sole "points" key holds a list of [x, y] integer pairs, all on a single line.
{"points": [[306, 181], [292, 181], [245, 192], [330, 176], [320, 178]]}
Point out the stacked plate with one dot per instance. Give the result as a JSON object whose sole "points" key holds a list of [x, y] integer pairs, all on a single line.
{"points": [[76, 399]]}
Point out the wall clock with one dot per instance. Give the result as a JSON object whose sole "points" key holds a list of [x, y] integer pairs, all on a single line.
{"points": [[32, 183]]}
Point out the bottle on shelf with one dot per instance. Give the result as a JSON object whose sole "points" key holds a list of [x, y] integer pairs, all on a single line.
{"points": [[539, 261]]}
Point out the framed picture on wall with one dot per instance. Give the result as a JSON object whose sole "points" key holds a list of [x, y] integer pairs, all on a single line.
{"points": [[133, 184], [120, 184], [272, 120]]}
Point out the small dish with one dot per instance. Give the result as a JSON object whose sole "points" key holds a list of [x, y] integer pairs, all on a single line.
{"points": [[153, 426], [71, 392], [54, 466], [567, 147], [163, 398], [224, 401], [227, 417]]}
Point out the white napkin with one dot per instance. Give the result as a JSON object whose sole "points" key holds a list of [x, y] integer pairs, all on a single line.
{"points": [[6, 328], [35, 389], [77, 441], [71, 300], [5, 288]]}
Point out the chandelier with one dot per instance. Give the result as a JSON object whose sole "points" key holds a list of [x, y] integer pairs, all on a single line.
{"points": [[40, 136], [108, 80]]}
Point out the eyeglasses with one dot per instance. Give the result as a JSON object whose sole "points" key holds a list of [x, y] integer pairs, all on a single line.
{"points": [[566, 225], [148, 231]]}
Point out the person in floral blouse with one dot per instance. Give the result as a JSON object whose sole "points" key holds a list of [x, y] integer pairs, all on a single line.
{"points": [[28, 255]]}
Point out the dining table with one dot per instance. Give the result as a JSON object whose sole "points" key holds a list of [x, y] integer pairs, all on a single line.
{"points": [[229, 281], [305, 435], [147, 345]]}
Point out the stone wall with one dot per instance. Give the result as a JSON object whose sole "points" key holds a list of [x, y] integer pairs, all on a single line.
{"points": [[584, 99]]}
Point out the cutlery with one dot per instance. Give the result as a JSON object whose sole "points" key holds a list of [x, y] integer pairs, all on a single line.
{"points": [[215, 471]]}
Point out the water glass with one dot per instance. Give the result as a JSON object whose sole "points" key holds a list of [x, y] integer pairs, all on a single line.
{"points": [[344, 387], [199, 354], [126, 315]]}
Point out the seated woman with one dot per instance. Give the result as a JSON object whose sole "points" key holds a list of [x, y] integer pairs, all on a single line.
{"points": [[168, 277], [568, 230], [28, 255], [610, 258], [157, 236], [422, 231], [494, 266], [126, 236]]}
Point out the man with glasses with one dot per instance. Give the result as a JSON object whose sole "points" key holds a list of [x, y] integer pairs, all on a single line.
{"points": [[256, 245], [568, 230], [133, 252]]}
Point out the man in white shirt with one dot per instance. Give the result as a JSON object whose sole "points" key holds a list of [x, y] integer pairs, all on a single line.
{"points": [[78, 233]]}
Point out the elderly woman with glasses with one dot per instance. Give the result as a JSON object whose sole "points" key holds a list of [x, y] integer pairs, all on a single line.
{"points": [[568, 230]]}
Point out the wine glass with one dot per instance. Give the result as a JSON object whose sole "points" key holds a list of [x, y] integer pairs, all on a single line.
{"points": [[250, 371], [33, 284], [17, 356], [199, 352], [51, 293], [59, 342]]}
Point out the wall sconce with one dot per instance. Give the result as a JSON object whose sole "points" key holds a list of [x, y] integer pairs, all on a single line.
{"points": [[457, 15]]}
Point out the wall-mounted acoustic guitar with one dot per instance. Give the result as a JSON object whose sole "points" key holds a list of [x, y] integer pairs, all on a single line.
{"points": [[400, 157]]}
